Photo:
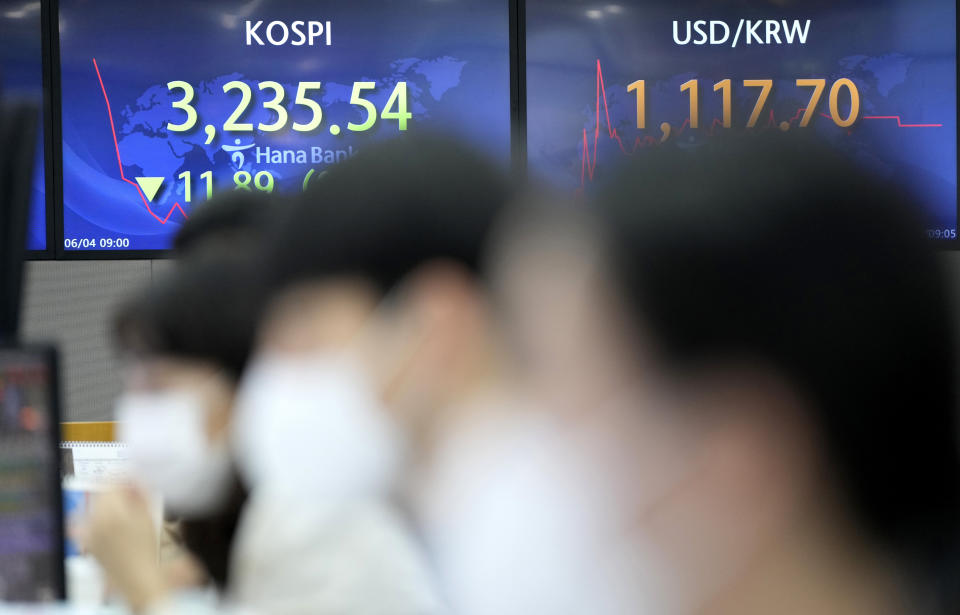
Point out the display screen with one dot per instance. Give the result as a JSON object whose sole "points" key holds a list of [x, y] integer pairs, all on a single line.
{"points": [[30, 535], [875, 78], [21, 76], [168, 102]]}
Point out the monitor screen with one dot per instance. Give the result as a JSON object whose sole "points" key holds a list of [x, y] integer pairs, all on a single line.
{"points": [[31, 536], [875, 78], [166, 103], [21, 75]]}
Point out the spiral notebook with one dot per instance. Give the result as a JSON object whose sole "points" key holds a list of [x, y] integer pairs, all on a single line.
{"points": [[88, 467], [97, 462]]}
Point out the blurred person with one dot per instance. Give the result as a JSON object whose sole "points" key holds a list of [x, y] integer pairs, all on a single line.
{"points": [[514, 507], [186, 341], [231, 222], [377, 322], [167, 334], [773, 424], [189, 338]]}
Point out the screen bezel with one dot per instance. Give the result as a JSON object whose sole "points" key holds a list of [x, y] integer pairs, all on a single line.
{"points": [[521, 53], [50, 357], [518, 141]]}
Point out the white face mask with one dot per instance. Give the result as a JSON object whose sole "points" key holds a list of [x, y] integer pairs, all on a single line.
{"points": [[518, 521], [171, 453], [313, 424]]}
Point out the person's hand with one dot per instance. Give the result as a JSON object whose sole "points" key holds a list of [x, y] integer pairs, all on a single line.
{"points": [[183, 572], [121, 534]]}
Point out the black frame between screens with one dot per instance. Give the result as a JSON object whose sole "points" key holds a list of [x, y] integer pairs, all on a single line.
{"points": [[53, 134], [49, 214], [518, 86], [955, 244], [52, 361]]}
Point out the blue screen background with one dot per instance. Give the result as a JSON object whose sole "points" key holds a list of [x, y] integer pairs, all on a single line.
{"points": [[454, 55], [21, 75], [900, 54]]}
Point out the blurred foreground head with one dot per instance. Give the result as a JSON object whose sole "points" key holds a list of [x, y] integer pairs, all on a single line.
{"points": [[792, 339], [231, 223], [374, 296], [186, 341]]}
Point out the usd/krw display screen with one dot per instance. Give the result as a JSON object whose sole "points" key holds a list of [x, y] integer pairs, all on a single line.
{"points": [[166, 103], [21, 75], [877, 79]]}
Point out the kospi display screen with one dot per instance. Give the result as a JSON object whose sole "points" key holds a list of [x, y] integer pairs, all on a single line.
{"points": [[875, 78], [165, 103], [21, 76]]}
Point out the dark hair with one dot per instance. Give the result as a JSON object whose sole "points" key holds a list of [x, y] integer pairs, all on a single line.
{"points": [[211, 539], [784, 251], [389, 209], [232, 220], [206, 309]]}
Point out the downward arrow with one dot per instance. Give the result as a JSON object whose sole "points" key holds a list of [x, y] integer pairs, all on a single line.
{"points": [[150, 186]]}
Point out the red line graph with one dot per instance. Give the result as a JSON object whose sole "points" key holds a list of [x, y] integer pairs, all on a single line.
{"points": [[900, 123], [589, 159], [116, 146]]}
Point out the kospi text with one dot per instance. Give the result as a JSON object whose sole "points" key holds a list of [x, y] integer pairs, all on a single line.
{"points": [[296, 33]]}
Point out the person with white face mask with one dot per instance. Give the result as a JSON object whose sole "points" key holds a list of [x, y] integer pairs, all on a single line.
{"points": [[320, 533], [375, 321], [322, 539], [520, 496], [724, 355], [189, 465], [185, 341]]}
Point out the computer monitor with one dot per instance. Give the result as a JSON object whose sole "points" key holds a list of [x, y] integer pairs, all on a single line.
{"points": [[31, 513]]}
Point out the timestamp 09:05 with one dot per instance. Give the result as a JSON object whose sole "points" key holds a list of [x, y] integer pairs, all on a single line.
{"points": [[91, 243], [947, 234]]}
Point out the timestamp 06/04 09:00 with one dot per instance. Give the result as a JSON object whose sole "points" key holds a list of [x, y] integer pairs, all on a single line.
{"points": [[94, 243]]}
